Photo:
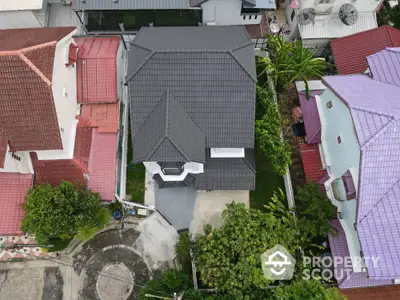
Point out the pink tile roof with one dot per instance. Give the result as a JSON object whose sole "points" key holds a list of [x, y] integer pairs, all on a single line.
{"points": [[97, 69], [104, 116], [13, 187], [103, 163]]}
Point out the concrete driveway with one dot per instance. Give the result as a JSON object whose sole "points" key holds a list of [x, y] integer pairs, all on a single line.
{"points": [[210, 205], [111, 266], [176, 205]]}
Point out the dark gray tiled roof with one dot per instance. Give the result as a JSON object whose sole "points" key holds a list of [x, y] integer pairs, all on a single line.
{"points": [[199, 2], [130, 4], [211, 73], [169, 134], [228, 173]]}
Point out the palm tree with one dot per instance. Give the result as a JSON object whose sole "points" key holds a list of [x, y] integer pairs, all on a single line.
{"points": [[289, 61]]}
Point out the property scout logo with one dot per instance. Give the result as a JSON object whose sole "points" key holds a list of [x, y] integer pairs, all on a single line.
{"points": [[278, 263]]}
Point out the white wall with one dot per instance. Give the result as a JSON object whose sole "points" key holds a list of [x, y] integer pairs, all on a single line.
{"points": [[121, 59], [12, 165], [64, 80], [18, 19], [224, 12]]}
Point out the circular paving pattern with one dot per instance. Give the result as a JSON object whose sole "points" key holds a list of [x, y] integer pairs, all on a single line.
{"points": [[115, 282]]}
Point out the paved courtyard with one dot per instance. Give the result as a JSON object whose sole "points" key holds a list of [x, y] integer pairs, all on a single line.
{"points": [[113, 266]]}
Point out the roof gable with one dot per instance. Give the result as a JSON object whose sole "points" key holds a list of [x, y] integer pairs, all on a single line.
{"points": [[209, 71], [169, 134]]}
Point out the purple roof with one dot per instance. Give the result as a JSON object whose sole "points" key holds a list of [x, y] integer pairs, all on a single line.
{"points": [[375, 109], [311, 118], [339, 248], [385, 66]]}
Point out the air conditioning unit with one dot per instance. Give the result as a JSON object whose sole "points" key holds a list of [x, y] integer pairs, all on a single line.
{"points": [[66, 2]]}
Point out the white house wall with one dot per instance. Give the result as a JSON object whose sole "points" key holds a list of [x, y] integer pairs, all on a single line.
{"points": [[64, 82], [19, 19], [121, 59], [224, 12], [12, 165]]}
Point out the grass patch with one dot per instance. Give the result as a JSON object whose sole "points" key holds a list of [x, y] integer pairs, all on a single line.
{"points": [[267, 182], [135, 176], [58, 245]]}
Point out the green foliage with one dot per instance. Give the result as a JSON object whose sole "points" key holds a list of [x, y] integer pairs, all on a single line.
{"points": [[86, 232], [172, 281], [62, 212], [306, 290], [268, 132], [182, 249], [389, 15], [313, 212], [228, 258], [289, 61]]}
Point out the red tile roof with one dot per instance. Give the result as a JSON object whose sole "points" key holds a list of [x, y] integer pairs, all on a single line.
{"points": [[103, 164], [350, 52], [97, 69], [27, 109], [312, 164], [13, 187], [104, 116], [16, 39], [373, 293]]}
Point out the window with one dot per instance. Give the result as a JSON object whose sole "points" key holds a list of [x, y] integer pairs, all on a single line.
{"points": [[62, 130], [65, 92], [339, 140], [329, 104], [244, 17], [255, 17], [16, 157]]}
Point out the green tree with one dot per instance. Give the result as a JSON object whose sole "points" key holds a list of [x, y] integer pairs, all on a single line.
{"points": [[171, 281], [289, 61], [306, 290], [313, 211], [182, 250], [268, 132], [389, 15], [228, 258], [62, 212]]}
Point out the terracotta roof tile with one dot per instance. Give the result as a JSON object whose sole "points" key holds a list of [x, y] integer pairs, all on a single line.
{"points": [[103, 116], [373, 293], [312, 164], [17, 39], [97, 69], [3, 148], [13, 187], [103, 163], [83, 141], [27, 111], [350, 52], [42, 57]]}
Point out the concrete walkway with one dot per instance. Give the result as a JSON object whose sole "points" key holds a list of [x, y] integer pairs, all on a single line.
{"points": [[111, 266], [210, 205]]}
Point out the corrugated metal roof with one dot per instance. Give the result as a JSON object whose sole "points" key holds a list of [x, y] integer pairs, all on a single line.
{"points": [[130, 4], [10, 5], [333, 27], [311, 118], [312, 164], [385, 66]]}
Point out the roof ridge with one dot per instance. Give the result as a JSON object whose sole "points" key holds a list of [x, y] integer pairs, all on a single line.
{"points": [[134, 72], [241, 65], [379, 201], [381, 131], [39, 46], [372, 111], [33, 67]]}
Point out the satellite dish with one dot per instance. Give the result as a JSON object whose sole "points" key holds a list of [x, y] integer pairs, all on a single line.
{"points": [[348, 14], [306, 16]]}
